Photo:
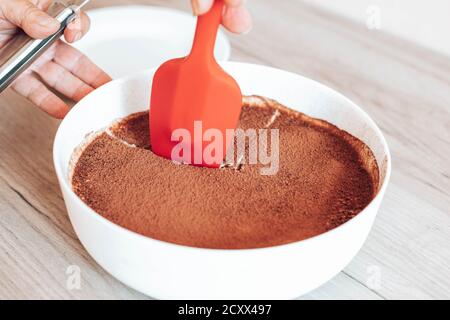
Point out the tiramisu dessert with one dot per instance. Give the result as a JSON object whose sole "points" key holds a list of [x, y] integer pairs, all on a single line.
{"points": [[324, 177]]}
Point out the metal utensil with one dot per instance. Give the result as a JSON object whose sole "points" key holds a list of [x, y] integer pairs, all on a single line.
{"points": [[22, 50]]}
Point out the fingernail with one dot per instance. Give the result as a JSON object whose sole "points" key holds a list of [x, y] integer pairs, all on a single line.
{"points": [[201, 6]]}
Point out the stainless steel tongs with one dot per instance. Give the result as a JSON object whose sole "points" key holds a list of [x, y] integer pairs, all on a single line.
{"points": [[22, 50]]}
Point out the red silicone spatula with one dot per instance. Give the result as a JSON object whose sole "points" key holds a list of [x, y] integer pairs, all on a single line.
{"points": [[194, 101]]}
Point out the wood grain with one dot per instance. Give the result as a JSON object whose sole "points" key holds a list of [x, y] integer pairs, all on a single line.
{"points": [[405, 88]]}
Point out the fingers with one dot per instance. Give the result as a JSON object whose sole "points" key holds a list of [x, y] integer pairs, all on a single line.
{"points": [[77, 28], [234, 3], [55, 76], [35, 22], [35, 91], [237, 19], [201, 6], [79, 65], [42, 4], [67, 71]]}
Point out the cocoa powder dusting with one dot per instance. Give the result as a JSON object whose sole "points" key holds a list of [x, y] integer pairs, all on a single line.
{"points": [[326, 177]]}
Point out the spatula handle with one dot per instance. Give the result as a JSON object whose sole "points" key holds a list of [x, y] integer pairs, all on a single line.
{"points": [[206, 32]]}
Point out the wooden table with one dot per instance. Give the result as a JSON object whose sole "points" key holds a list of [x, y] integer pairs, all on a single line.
{"points": [[406, 89]]}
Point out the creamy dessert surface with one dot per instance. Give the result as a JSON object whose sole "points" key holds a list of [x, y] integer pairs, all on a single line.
{"points": [[325, 177]]}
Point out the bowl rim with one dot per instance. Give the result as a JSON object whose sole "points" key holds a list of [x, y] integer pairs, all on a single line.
{"points": [[102, 12], [63, 181]]}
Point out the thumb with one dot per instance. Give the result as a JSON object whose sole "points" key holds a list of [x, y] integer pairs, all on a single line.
{"points": [[35, 22], [201, 6]]}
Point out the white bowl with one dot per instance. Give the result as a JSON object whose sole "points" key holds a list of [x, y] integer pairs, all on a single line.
{"points": [[165, 270], [148, 34]]}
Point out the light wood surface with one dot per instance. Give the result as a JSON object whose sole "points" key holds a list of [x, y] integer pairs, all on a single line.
{"points": [[406, 89]]}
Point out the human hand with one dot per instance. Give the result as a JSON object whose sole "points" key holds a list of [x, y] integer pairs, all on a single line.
{"points": [[61, 67], [236, 17]]}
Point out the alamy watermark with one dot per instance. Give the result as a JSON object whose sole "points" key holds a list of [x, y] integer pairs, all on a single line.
{"points": [[373, 21], [250, 146], [73, 281]]}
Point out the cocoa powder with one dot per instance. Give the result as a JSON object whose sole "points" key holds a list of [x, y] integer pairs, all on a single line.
{"points": [[326, 177]]}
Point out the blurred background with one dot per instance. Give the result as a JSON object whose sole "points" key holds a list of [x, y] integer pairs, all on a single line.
{"points": [[424, 22]]}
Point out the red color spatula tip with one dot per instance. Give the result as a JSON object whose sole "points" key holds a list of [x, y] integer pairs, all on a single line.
{"points": [[194, 101]]}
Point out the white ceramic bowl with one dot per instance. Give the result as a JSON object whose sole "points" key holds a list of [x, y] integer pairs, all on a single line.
{"points": [[148, 34], [165, 270]]}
